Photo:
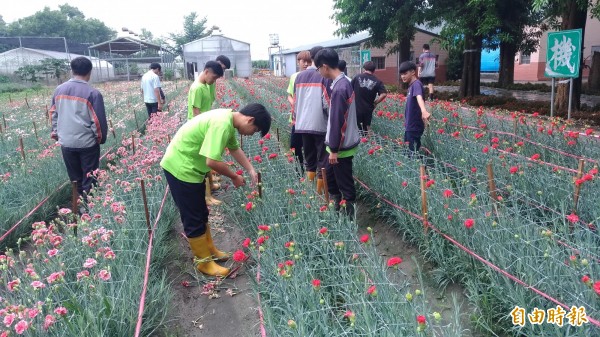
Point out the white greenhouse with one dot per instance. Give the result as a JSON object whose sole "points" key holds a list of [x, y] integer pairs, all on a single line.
{"points": [[197, 53], [12, 60]]}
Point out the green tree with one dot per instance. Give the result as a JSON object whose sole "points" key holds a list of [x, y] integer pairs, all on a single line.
{"points": [[28, 73], [68, 22], [193, 29], [260, 64], [55, 68], [513, 26], [387, 21], [2, 26], [463, 18]]}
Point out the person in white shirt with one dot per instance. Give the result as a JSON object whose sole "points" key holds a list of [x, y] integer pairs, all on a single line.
{"points": [[151, 89]]}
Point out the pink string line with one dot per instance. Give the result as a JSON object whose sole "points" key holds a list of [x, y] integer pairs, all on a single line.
{"points": [[470, 252], [526, 140], [138, 326], [261, 317], [41, 204], [538, 144]]}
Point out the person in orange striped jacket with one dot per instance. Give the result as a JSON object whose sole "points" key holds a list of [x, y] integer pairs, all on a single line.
{"points": [[79, 124]]}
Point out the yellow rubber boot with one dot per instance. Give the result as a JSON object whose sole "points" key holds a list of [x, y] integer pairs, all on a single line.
{"points": [[217, 254], [210, 201], [206, 265], [213, 185], [320, 186], [310, 175]]}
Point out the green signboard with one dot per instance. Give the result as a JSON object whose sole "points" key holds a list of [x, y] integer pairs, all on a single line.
{"points": [[563, 54], [365, 55]]}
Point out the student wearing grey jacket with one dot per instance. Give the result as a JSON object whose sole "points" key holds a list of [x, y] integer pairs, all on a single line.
{"points": [[79, 124]]}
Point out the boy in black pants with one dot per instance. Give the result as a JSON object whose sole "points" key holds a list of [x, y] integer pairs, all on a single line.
{"points": [[416, 115], [342, 137]]}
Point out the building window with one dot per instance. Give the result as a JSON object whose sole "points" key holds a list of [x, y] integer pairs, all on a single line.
{"points": [[525, 59], [379, 62]]}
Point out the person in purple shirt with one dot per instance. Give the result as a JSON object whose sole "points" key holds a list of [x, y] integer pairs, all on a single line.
{"points": [[415, 114]]}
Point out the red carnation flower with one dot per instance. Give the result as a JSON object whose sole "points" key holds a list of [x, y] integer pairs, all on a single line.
{"points": [[448, 193], [316, 283], [421, 320], [240, 256], [469, 223], [323, 230], [597, 287], [572, 218], [364, 238], [394, 261]]}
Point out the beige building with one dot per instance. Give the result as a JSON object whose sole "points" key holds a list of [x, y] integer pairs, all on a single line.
{"points": [[387, 65], [531, 67]]}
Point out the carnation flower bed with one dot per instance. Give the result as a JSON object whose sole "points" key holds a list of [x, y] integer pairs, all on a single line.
{"points": [[85, 276], [314, 274], [531, 234], [41, 179]]}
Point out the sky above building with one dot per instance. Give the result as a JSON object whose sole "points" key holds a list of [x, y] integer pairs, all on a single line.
{"points": [[296, 22]]}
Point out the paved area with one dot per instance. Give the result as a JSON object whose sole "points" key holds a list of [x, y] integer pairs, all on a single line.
{"points": [[522, 95]]}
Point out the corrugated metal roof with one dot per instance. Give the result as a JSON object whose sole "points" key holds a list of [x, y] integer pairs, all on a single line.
{"points": [[125, 45], [212, 37], [347, 41], [355, 39], [49, 53]]}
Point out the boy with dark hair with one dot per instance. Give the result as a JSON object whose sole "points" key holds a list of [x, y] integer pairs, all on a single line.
{"points": [[202, 92], [79, 124], [342, 68], [197, 148], [304, 60], [310, 113], [415, 113], [201, 96], [342, 137], [369, 92], [150, 86], [224, 61], [427, 69]]}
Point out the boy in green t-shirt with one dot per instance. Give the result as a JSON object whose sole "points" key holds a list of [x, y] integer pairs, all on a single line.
{"points": [[202, 92], [200, 99], [197, 148]]}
